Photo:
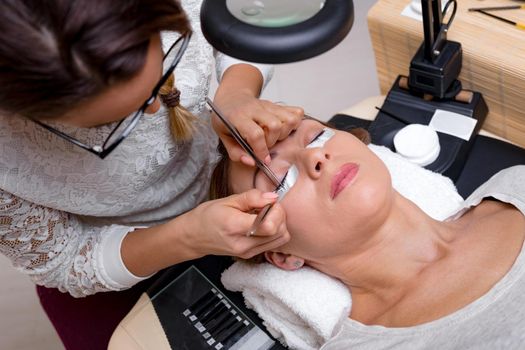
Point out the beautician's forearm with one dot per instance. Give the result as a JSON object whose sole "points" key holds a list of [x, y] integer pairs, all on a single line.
{"points": [[240, 78], [146, 251]]}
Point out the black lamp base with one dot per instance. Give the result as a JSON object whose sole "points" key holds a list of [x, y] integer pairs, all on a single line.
{"points": [[402, 108]]}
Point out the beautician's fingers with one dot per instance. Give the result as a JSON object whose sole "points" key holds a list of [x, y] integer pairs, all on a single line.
{"points": [[263, 127], [252, 132], [257, 245], [277, 122], [262, 123], [235, 152], [219, 227], [272, 232], [246, 120], [289, 118], [272, 222], [251, 200]]}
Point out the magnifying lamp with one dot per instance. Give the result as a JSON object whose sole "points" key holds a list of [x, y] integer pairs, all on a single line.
{"points": [[275, 31]]}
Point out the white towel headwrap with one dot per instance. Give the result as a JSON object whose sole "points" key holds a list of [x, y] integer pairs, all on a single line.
{"points": [[305, 308]]}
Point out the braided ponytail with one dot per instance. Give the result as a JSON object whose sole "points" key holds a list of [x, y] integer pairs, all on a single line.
{"points": [[181, 120]]}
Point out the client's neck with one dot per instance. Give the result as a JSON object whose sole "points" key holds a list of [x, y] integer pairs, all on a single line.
{"points": [[406, 244]]}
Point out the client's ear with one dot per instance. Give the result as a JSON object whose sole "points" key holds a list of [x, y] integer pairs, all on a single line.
{"points": [[284, 261]]}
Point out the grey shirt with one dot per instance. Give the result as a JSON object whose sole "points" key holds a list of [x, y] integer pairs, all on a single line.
{"points": [[494, 321]]}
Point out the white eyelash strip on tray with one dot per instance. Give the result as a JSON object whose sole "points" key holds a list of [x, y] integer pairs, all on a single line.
{"points": [[321, 140]]}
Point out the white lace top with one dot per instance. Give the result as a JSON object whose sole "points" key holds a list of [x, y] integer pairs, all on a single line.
{"points": [[64, 211]]}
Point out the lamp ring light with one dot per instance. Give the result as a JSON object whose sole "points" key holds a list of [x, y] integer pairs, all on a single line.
{"points": [[294, 34]]}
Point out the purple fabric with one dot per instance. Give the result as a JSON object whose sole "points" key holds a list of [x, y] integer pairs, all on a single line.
{"points": [[88, 323]]}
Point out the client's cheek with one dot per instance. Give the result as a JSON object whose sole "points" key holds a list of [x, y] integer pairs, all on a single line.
{"points": [[369, 201], [299, 217], [302, 203]]}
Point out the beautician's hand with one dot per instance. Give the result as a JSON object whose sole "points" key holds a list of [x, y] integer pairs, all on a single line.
{"points": [[219, 227], [261, 123]]}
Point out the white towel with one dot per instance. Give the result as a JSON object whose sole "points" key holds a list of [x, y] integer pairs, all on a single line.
{"points": [[434, 193], [305, 308], [302, 308]]}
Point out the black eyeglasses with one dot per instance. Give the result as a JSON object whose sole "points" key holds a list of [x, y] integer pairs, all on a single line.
{"points": [[124, 127]]}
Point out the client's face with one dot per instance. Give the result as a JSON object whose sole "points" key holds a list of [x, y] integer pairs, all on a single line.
{"points": [[341, 193]]}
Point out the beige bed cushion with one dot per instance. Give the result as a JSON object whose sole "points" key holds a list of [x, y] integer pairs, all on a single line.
{"points": [[140, 329]]}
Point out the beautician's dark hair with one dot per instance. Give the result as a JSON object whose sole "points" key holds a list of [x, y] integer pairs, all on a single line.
{"points": [[55, 54]]}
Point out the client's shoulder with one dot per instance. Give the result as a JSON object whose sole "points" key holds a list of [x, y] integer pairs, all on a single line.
{"points": [[513, 176], [498, 229], [508, 185], [498, 219]]}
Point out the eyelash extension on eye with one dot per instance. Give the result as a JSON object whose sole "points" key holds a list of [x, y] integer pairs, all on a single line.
{"points": [[317, 136], [281, 184]]}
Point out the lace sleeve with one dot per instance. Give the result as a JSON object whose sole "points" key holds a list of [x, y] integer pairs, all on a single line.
{"points": [[55, 248]]}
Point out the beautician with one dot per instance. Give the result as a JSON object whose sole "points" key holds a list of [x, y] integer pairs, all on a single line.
{"points": [[89, 205]]}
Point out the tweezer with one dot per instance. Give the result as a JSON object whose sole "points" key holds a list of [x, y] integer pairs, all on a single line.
{"points": [[237, 136], [260, 164], [518, 25], [497, 8]]}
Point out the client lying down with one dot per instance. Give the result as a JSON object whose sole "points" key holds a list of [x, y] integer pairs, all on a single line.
{"points": [[415, 282]]}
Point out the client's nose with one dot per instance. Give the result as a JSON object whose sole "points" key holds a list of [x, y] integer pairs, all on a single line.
{"points": [[314, 160]]}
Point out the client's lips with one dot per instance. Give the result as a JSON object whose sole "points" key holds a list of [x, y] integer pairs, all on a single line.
{"points": [[343, 177]]}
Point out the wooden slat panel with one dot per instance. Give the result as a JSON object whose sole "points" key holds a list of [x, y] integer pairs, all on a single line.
{"points": [[493, 57]]}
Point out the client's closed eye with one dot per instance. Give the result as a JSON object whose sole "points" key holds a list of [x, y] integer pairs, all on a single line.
{"points": [[320, 139], [317, 141], [317, 136], [283, 181]]}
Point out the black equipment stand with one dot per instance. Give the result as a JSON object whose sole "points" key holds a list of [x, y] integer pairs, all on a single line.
{"points": [[432, 85]]}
